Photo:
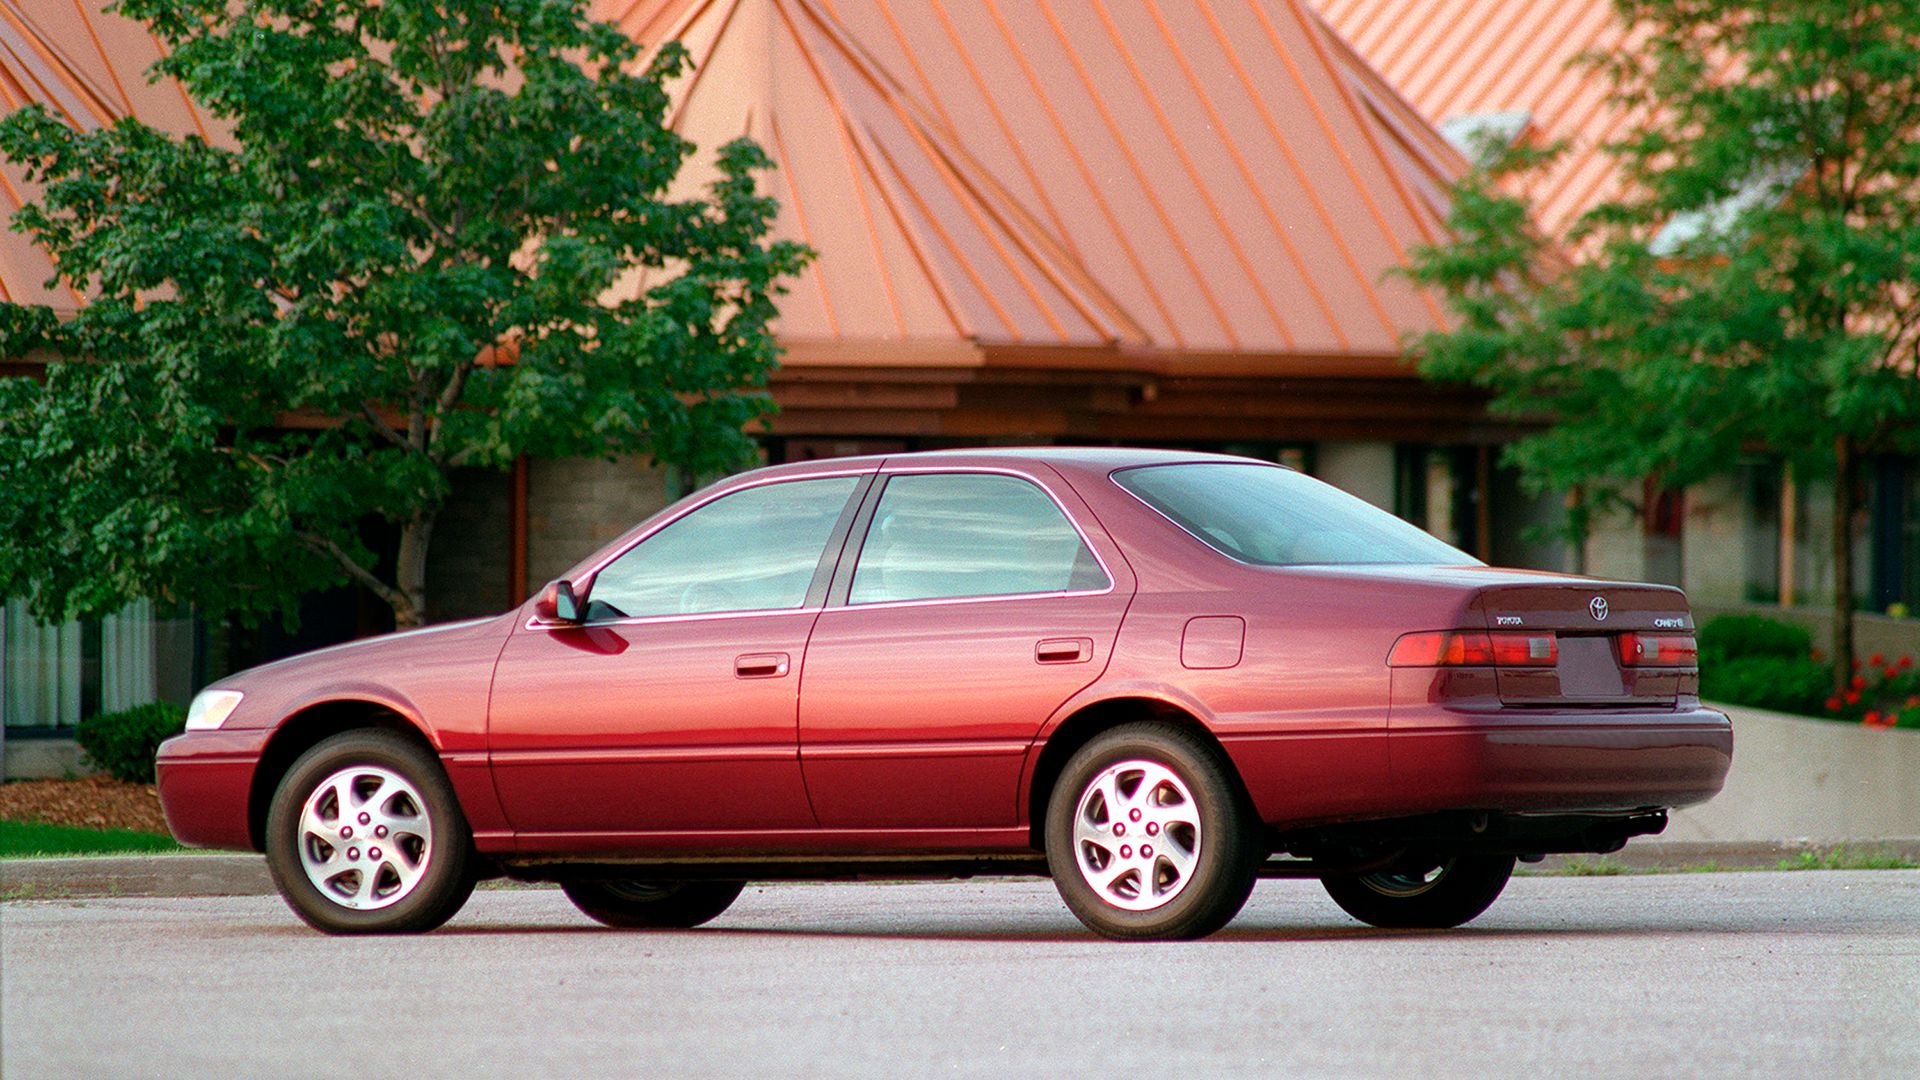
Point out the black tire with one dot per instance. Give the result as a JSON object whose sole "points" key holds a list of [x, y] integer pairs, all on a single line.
{"points": [[427, 870], [1439, 894], [653, 905], [1218, 852]]}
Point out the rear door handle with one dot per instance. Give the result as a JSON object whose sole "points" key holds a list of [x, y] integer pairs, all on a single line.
{"points": [[766, 665], [1064, 651]]}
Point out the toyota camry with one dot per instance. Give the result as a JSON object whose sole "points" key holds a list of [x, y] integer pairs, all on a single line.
{"points": [[1155, 676]]}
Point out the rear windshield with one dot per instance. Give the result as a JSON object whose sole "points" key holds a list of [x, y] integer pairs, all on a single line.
{"points": [[1271, 516]]}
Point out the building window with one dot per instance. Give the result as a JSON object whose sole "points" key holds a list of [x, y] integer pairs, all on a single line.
{"points": [[1895, 525], [56, 676]]}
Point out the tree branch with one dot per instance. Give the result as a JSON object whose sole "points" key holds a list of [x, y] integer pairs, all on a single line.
{"points": [[324, 546], [381, 426], [448, 400]]}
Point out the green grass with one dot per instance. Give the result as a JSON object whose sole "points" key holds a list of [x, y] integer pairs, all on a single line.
{"points": [[1848, 858], [30, 839], [1583, 867]]}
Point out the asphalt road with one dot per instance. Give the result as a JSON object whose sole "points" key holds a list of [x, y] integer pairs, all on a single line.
{"points": [[1729, 974]]}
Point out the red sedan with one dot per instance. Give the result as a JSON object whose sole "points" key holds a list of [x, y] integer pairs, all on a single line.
{"points": [[1155, 676]]}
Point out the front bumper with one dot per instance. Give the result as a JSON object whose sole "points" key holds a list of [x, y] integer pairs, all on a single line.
{"points": [[1565, 761], [206, 784]]}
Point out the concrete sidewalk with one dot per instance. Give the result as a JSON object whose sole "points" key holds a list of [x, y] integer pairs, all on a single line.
{"points": [[135, 875], [246, 875]]}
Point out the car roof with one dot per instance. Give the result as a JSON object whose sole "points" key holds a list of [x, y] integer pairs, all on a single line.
{"points": [[1087, 458]]}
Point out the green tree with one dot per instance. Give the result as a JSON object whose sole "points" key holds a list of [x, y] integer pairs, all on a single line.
{"points": [[1758, 284], [404, 263]]}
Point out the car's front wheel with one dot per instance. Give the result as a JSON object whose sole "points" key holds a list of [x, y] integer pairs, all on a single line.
{"points": [[1429, 894], [365, 836], [1149, 835], [653, 905]]}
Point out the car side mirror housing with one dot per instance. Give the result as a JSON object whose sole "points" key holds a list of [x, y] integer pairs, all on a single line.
{"points": [[558, 604]]}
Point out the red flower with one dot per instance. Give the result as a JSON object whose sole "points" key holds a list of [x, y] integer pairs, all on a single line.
{"points": [[1872, 719], [1853, 697], [1913, 700], [1859, 682], [1856, 663], [1876, 660], [1833, 703], [1906, 662], [1890, 672]]}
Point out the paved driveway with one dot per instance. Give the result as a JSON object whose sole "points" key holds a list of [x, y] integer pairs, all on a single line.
{"points": [[1733, 974]]}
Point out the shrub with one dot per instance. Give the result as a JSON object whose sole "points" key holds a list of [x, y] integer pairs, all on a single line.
{"points": [[1739, 637], [124, 742], [1882, 693], [1792, 684]]}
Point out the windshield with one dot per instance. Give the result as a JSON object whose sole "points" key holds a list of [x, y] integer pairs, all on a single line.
{"points": [[1271, 516]]}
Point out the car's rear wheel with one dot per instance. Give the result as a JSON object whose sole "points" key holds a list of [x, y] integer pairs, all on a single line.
{"points": [[1428, 894], [653, 905], [1149, 835], [365, 836]]}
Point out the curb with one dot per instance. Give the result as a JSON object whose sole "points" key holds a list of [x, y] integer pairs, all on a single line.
{"points": [[1727, 854], [246, 875], [135, 875]]}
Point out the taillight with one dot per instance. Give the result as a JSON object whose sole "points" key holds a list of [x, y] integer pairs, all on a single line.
{"points": [[1475, 648], [1658, 650], [1525, 650]]}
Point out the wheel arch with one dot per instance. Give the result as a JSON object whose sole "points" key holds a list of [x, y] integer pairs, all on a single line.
{"points": [[1088, 721], [306, 728]]}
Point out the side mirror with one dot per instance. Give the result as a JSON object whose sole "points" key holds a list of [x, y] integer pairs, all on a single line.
{"points": [[558, 604]]}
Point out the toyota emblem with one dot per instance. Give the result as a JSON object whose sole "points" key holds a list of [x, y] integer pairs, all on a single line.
{"points": [[1598, 606]]}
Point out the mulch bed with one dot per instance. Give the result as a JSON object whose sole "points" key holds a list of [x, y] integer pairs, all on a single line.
{"points": [[93, 802]]}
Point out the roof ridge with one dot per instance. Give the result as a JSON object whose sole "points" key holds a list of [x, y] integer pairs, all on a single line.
{"points": [[61, 67], [942, 288], [1049, 253], [975, 182]]}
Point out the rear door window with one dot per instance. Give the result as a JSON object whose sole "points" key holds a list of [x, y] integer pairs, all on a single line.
{"points": [[950, 535]]}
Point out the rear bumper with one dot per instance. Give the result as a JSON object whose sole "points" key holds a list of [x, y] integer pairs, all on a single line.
{"points": [[205, 780], [1558, 761]]}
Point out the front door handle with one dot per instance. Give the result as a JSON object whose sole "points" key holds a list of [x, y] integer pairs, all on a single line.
{"points": [[1077, 650], [766, 665]]}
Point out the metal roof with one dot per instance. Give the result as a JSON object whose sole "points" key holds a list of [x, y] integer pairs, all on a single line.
{"points": [[1457, 60], [1181, 180], [1205, 185], [89, 67]]}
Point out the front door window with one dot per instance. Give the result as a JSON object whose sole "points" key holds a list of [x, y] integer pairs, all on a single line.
{"points": [[753, 550]]}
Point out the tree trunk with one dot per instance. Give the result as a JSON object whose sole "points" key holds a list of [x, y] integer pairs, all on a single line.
{"points": [[410, 571], [1843, 470]]}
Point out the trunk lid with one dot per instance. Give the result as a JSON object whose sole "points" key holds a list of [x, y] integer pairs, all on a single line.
{"points": [[1588, 619]]}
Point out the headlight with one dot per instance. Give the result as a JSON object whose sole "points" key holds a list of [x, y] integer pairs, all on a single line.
{"points": [[211, 708]]}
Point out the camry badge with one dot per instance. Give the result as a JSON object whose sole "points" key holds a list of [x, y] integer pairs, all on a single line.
{"points": [[1598, 606]]}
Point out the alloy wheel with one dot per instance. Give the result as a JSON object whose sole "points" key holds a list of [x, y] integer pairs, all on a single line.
{"points": [[365, 837], [1136, 835]]}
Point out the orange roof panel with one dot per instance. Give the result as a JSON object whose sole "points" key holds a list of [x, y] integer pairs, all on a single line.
{"points": [[1200, 177], [1455, 58], [89, 67]]}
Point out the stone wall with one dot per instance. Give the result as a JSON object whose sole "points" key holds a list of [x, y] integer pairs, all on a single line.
{"points": [[467, 562], [1713, 542], [1358, 468], [575, 505], [1795, 778]]}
